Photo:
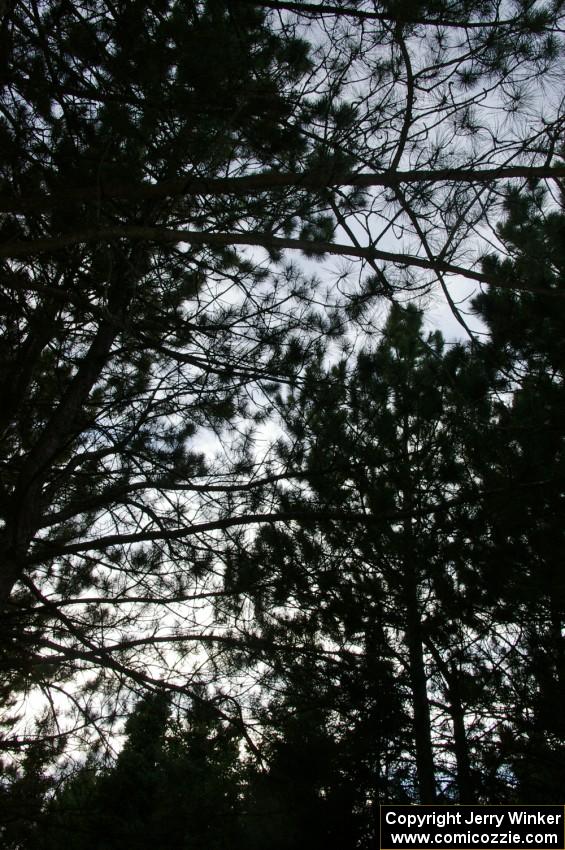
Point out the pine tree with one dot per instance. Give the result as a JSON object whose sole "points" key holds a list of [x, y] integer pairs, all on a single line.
{"points": [[522, 556], [175, 784], [115, 354], [388, 441], [146, 148]]}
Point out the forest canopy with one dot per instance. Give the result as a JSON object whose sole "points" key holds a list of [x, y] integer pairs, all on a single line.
{"points": [[248, 490]]}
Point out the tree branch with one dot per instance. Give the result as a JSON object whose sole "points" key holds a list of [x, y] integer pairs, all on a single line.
{"points": [[268, 181]]}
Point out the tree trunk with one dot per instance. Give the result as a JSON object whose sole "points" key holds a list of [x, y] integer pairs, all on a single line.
{"points": [[419, 685], [457, 713], [414, 634]]}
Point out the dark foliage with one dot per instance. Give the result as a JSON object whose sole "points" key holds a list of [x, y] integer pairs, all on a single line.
{"points": [[372, 608]]}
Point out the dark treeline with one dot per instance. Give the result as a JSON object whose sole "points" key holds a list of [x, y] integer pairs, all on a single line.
{"points": [[183, 784], [357, 594]]}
